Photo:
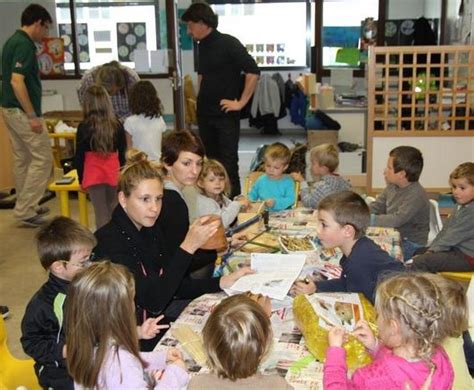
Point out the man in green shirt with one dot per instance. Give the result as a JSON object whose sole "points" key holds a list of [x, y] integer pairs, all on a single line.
{"points": [[22, 113]]}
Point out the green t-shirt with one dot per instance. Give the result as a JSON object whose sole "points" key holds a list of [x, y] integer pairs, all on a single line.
{"points": [[19, 56]]}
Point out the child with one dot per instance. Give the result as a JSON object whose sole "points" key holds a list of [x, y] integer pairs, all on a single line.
{"points": [[274, 187], [404, 204], [408, 353], [100, 151], [64, 247], [324, 161], [453, 247], [214, 185], [145, 127], [343, 218], [454, 302], [102, 340], [237, 336]]}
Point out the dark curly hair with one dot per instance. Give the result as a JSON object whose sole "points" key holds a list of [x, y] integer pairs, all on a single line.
{"points": [[144, 100], [200, 12]]}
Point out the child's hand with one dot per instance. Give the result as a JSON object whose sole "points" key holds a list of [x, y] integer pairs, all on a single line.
{"points": [[262, 300], [336, 336], [297, 176], [173, 354], [270, 202], [150, 328], [301, 287], [227, 281], [364, 334], [244, 203]]}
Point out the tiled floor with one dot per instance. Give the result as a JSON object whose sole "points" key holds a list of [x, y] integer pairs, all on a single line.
{"points": [[20, 272]]}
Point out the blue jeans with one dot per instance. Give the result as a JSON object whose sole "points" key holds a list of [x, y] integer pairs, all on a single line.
{"points": [[409, 248]]}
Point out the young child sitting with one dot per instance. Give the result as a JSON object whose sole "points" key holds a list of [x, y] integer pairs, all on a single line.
{"points": [[64, 247], [408, 352], [453, 247], [144, 129], [214, 186], [343, 218], [102, 339], [404, 204], [274, 187], [324, 161], [237, 336]]}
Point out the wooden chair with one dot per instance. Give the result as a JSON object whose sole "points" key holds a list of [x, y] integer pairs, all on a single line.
{"points": [[14, 372], [252, 178]]}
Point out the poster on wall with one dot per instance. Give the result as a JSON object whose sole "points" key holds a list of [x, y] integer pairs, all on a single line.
{"points": [[82, 41], [402, 32], [130, 36], [50, 54]]}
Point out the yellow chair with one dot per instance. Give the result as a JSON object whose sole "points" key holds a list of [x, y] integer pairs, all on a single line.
{"points": [[253, 176], [14, 372], [458, 276]]}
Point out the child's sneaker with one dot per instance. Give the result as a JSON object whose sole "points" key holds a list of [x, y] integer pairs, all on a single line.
{"points": [[4, 311]]}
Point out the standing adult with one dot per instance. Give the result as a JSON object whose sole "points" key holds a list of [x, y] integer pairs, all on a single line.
{"points": [[32, 156], [221, 60], [117, 80]]}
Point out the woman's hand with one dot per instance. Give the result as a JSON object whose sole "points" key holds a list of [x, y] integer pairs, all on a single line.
{"points": [[364, 334], [238, 239], [227, 281], [198, 234], [303, 287], [336, 336], [150, 328]]}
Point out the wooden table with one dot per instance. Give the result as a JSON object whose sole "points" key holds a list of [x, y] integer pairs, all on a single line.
{"points": [[62, 192]]}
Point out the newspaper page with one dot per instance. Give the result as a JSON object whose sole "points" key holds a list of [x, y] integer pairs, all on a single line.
{"points": [[275, 273], [337, 309]]}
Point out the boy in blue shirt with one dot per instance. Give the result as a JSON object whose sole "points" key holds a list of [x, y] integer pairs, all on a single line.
{"points": [[275, 188], [343, 218]]}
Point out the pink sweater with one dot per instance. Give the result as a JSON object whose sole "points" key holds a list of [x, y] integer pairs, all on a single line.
{"points": [[387, 372]]}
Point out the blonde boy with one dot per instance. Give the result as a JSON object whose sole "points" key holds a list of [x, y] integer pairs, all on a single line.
{"points": [[274, 187], [324, 162], [453, 247], [64, 248], [343, 218]]}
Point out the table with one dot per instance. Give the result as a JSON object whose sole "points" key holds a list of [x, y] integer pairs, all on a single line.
{"points": [[62, 192], [288, 357], [57, 137]]}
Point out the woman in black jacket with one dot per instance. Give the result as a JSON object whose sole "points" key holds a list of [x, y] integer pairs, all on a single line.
{"points": [[135, 239]]}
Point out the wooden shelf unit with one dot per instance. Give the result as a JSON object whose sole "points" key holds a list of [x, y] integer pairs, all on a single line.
{"points": [[416, 91]]}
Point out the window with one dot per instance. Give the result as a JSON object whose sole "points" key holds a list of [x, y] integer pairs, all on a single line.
{"points": [[108, 31]]}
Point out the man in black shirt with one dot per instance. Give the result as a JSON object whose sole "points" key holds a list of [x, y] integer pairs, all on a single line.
{"points": [[221, 60]]}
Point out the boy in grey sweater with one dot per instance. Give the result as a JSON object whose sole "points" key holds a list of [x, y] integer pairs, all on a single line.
{"points": [[453, 247], [404, 204]]}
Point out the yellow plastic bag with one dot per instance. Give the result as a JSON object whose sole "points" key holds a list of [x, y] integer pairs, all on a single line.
{"points": [[316, 337]]}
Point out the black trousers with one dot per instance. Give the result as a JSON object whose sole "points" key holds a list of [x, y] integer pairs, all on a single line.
{"points": [[220, 136]]}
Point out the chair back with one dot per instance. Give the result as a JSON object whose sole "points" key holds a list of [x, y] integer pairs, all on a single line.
{"points": [[436, 224]]}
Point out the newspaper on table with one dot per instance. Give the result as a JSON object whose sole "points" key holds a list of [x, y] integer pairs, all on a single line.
{"points": [[275, 273], [337, 309]]}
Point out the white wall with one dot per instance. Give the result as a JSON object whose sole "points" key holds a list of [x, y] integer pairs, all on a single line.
{"points": [[441, 155]]}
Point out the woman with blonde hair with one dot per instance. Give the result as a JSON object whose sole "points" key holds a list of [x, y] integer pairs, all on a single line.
{"points": [[135, 239], [102, 339], [100, 152]]}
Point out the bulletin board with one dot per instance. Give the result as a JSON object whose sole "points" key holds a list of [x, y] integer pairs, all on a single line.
{"points": [[50, 54], [130, 36], [401, 32]]}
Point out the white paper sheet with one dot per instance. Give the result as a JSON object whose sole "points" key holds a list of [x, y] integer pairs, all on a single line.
{"points": [[159, 61], [142, 61], [342, 78], [275, 273]]}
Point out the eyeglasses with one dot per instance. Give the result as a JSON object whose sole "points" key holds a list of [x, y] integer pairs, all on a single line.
{"points": [[86, 263]]}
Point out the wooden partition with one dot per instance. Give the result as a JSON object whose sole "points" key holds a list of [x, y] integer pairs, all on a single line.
{"points": [[421, 96]]}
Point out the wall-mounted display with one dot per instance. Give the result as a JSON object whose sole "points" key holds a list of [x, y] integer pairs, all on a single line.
{"points": [[82, 41], [401, 32], [130, 36], [50, 54]]}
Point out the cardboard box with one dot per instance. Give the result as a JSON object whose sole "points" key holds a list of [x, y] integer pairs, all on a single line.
{"points": [[318, 137]]}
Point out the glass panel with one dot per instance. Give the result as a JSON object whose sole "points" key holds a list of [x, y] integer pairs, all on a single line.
{"points": [[279, 43], [107, 32], [341, 30]]}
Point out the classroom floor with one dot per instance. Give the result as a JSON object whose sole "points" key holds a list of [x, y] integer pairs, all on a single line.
{"points": [[20, 271]]}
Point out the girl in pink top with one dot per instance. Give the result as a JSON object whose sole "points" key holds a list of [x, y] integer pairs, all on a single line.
{"points": [[408, 354], [102, 339]]}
